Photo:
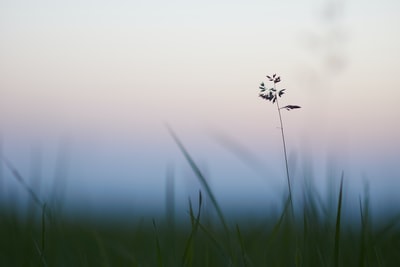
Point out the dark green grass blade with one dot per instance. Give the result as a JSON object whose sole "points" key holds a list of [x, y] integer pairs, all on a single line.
{"points": [[42, 258], [321, 259], [103, 256], [337, 228], [298, 257], [362, 238], [214, 240], [201, 178], [195, 225], [170, 198], [378, 257], [278, 225], [158, 248], [314, 202], [305, 224], [43, 226], [385, 230], [192, 220], [242, 248]]}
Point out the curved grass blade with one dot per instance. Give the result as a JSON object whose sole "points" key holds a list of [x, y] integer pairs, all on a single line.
{"points": [[245, 259], [42, 258], [337, 228], [195, 225], [387, 229], [201, 178], [217, 244], [22, 181]]}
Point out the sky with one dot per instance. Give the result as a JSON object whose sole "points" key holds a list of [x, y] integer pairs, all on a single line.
{"points": [[108, 76]]}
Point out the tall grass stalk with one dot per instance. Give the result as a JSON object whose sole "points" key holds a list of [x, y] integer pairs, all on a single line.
{"points": [[273, 95], [284, 152]]}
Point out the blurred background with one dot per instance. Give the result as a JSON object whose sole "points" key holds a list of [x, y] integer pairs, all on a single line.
{"points": [[87, 87]]}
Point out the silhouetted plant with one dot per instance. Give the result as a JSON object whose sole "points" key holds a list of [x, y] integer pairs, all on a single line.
{"points": [[272, 95]]}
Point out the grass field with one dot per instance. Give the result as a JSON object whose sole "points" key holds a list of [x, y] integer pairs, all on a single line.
{"points": [[308, 240], [310, 233]]}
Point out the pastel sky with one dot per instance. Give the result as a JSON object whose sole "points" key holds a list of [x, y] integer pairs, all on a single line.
{"points": [[114, 72]]}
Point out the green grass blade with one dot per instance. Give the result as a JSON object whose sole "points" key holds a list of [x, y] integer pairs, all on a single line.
{"points": [[298, 257], [103, 256], [362, 238], [385, 231], [305, 224], [337, 228], [43, 226], [277, 226], [170, 198], [42, 258], [216, 243], [158, 247], [378, 257], [195, 225], [192, 221], [242, 249], [321, 259], [201, 178]]}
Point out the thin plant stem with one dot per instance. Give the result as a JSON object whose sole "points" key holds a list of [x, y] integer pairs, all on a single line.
{"points": [[285, 153], [273, 95]]}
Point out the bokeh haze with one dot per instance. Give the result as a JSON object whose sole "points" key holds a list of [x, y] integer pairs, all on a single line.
{"points": [[95, 82]]}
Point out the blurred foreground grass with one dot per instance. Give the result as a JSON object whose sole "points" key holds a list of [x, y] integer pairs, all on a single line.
{"points": [[274, 241], [315, 234]]}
